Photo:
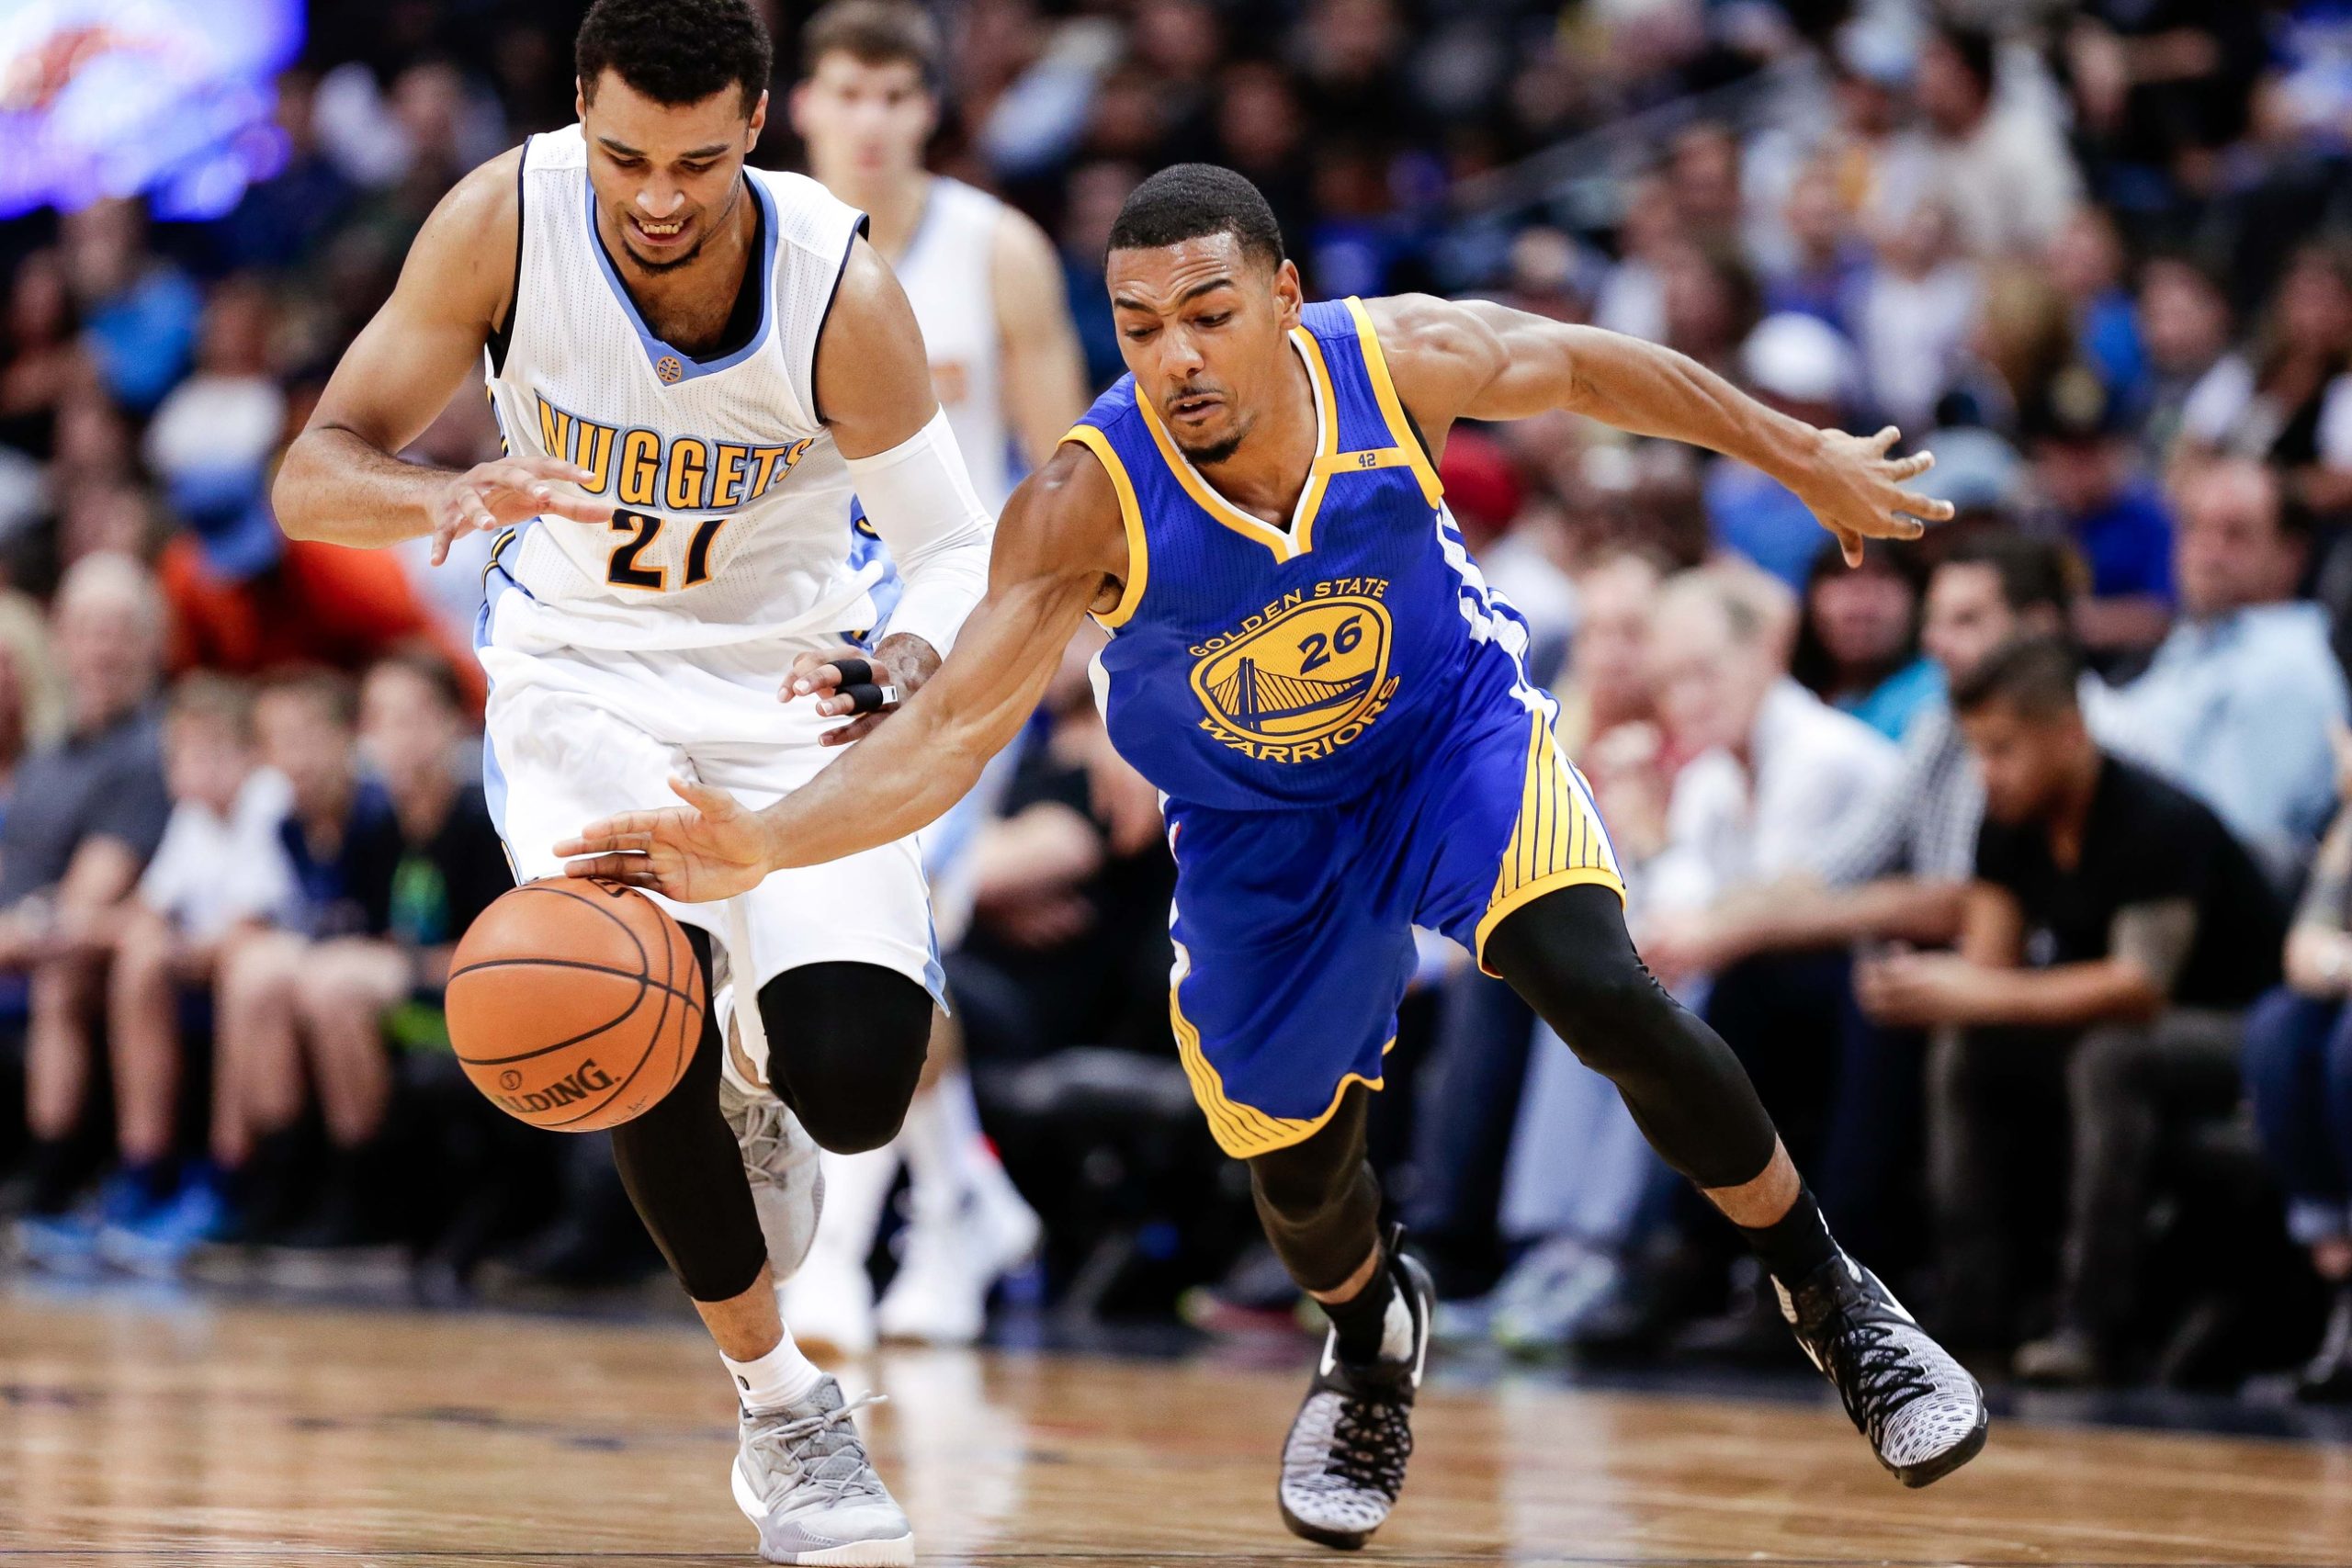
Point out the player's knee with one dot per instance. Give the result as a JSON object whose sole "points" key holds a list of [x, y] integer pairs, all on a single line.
{"points": [[1306, 1180], [1568, 955], [846, 1044]]}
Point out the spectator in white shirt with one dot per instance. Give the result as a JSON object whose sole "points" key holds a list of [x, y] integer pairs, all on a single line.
{"points": [[1997, 159], [221, 872]]}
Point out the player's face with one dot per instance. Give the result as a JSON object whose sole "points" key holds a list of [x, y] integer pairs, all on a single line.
{"points": [[667, 176], [861, 120], [1203, 325]]}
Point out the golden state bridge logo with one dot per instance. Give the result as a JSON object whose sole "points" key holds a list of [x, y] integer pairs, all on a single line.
{"points": [[1301, 678]]}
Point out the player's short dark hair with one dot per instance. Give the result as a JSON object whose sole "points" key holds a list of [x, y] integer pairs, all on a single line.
{"points": [[873, 32], [2033, 573], [2036, 677], [675, 51], [1186, 202], [333, 693]]}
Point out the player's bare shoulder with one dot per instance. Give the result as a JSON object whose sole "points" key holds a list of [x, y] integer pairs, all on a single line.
{"points": [[1065, 520], [464, 256], [1441, 353]]}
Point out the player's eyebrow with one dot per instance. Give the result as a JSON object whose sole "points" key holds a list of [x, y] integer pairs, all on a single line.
{"points": [[1125, 302], [623, 149]]}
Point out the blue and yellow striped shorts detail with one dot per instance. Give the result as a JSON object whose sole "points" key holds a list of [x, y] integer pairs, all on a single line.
{"points": [[1294, 929]]}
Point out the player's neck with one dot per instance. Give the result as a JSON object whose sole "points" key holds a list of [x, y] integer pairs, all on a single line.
{"points": [[679, 303], [893, 204], [1269, 471]]}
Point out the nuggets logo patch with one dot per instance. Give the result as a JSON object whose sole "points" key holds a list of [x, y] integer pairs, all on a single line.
{"points": [[669, 369], [1301, 681]]}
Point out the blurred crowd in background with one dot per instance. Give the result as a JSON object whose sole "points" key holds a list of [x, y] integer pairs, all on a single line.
{"points": [[2005, 862]]}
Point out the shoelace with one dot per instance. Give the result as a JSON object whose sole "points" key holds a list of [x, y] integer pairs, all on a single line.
{"points": [[1874, 1375], [1370, 1443], [763, 1133], [792, 1440]]}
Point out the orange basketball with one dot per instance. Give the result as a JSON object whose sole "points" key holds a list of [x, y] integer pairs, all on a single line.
{"points": [[574, 1005]]}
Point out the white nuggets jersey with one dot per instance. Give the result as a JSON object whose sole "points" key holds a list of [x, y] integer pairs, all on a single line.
{"points": [[948, 273], [732, 504]]}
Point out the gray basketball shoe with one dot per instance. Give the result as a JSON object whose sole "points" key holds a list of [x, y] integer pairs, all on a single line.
{"points": [[802, 1476], [1923, 1414], [787, 1183], [1343, 1463]]}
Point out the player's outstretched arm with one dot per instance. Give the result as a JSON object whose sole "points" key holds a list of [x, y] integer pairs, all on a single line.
{"points": [[1060, 550], [342, 482], [1478, 360]]}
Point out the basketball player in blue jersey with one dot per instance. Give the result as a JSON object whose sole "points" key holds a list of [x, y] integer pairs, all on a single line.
{"points": [[1307, 662]]}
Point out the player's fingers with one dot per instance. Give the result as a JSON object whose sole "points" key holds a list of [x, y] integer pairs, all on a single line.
{"points": [[1913, 504], [1885, 439], [630, 830], [852, 730], [443, 534], [634, 871], [577, 507], [551, 468], [1911, 467], [711, 802], [1850, 545]]}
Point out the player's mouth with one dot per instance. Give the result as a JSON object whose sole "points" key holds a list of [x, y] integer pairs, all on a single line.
{"points": [[1195, 408], [662, 235]]}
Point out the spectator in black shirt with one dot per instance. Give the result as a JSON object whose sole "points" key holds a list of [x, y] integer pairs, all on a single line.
{"points": [[86, 815], [2115, 934]]}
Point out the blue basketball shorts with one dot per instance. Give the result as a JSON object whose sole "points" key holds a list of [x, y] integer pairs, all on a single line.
{"points": [[1294, 929]]}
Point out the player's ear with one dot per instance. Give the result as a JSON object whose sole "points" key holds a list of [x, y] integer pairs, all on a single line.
{"points": [[759, 122], [579, 99], [1290, 297]]}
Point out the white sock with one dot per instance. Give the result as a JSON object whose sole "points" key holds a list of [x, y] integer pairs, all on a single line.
{"points": [[928, 1139], [783, 1376], [856, 1186]]}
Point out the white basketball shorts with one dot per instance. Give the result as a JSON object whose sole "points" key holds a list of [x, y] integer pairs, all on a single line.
{"points": [[574, 734]]}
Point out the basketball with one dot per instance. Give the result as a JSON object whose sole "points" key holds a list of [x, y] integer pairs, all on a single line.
{"points": [[574, 1006]]}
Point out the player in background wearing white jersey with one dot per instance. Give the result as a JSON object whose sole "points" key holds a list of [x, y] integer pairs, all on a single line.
{"points": [[695, 365], [987, 287]]}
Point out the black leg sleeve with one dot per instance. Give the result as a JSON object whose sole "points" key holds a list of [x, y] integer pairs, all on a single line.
{"points": [[846, 1044], [1569, 956], [1318, 1200], [684, 1174]]}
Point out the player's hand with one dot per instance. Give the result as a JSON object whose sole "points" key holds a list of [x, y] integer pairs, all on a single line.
{"points": [[894, 672], [494, 495], [712, 848], [1857, 491]]}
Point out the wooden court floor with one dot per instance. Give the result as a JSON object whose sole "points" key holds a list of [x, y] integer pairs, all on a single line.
{"points": [[200, 1435]]}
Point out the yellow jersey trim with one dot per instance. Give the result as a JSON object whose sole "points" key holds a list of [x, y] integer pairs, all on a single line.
{"points": [[1558, 841], [1130, 519], [1243, 1130], [1392, 408], [1287, 544]]}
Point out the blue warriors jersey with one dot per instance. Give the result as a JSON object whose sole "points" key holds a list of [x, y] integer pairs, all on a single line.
{"points": [[1254, 667], [1353, 663]]}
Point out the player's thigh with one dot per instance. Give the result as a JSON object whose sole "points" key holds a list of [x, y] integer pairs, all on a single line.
{"points": [[1290, 966], [555, 760], [1500, 818]]}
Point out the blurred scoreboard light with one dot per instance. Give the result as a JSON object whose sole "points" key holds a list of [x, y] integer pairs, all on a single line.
{"points": [[112, 98]]}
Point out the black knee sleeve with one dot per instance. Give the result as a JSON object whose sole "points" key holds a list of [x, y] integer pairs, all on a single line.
{"points": [[846, 1044], [1318, 1200], [1569, 956], [684, 1172]]}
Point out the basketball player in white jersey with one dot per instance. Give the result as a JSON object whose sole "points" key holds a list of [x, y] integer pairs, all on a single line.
{"points": [[987, 287], [695, 365]]}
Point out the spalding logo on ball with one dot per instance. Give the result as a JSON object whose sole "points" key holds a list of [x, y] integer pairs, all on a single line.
{"points": [[575, 1005]]}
